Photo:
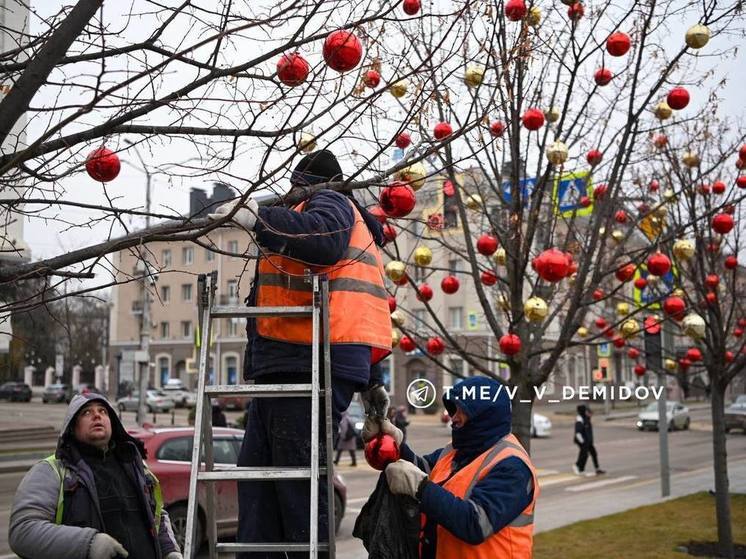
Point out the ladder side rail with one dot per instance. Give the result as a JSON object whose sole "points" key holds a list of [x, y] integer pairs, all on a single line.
{"points": [[326, 366], [315, 387], [210, 513]]}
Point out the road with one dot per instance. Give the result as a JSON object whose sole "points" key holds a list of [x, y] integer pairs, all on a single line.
{"points": [[629, 456]]}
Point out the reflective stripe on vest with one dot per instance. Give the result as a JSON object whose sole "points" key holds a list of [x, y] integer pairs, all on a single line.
{"points": [[514, 541], [61, 471], [358, 301]]}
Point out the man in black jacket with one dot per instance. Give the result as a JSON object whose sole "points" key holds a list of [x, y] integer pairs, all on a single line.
{"points": [[584, 439]]}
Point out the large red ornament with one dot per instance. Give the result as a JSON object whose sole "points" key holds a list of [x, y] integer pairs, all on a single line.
{"points": [[533, 119], [515, 10], [684, 364], [620, 216], [594, 157], [403, 140], [722, 223], [603, 76], [448, 188], [381, 451], [618, 341], [406, 344], [510, 344], [397, 199], [371, 78], [601, 323], [742, 152], [693, 354], [711, 298], [659, 264], [552, 265], [450, 285], [599, 191], [738, 332], [488, 278], [392, 303], [618, 44], [718, 187], [598, 294], [103, 165], [639, 370], [731, 262], [389, 233], [342, 50], [626, 272], [442, 130], [712, 281], [435, 222], [435, 346], [575, 11], [585, 201], [497, 128], [292, 69], [424, 292], [632, 353], [675, 307], [660, 141], [678, 98], [741, 181], [641, 283], [487, 244], [654, 185], [609, 333], [411, 7], [729, 356]]}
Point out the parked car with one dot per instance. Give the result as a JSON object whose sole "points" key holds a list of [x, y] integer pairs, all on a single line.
{"points": [[155, 400], [86, 388], [677, 417], [182, 397], [169, 457], [232, 402], [541, 426], [740, 399], [15, 392], [735, 416], [57, 393]]}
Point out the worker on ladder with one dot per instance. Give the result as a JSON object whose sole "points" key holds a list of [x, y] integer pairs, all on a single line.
{"points": [[328, 233]]}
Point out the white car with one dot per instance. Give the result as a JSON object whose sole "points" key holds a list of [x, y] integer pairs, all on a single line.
{"points": [[677, 417], [182, 397], [540, 426], [155, 401]]}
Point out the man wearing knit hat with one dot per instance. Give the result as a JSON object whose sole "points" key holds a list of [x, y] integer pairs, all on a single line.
{"points": [[328, 233]]}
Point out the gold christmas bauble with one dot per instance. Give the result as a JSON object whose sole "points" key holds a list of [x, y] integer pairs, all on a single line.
{"points": [[663, 111], [652, 280], [678, 292], [552, 115], [503, 303], [395, 337], [670, 364], [669, 195], [582, 332], [697, 36], [557, 153], [661, 211], [693, 326], [690, 159], [395, 270], [683, 249], [307, 142], [622, 309], [423, 256], [534, 16], [414, 175], [399, 88], [630, 328], [618, 235], [535, 309], [474, 75], [474, 202], [500, 256], [397, 318]]}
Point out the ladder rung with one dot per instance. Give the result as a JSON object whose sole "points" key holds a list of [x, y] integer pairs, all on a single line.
{"points": [[257, 473], [231, 311], [278, 547], [259, 390]]}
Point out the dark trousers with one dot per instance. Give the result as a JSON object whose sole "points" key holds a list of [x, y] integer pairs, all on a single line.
{"points": [[352, 456], [585, 450], [278, 433]]}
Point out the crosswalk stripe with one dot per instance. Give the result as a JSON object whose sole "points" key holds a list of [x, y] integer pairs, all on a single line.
{"points": [[597, 484], [554, 480]]}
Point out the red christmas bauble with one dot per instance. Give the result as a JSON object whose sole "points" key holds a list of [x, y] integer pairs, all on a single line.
{"points": [[403, 281], [515, 10], [738, 332], [693, 354], [533, 119], [378, 213], [729, 356], [609, 333], [397, 199], [712, 281], [684, 364], [488, 278], [598, 294], [575, 11], [704, 189], [103, 165], [342, 50], [435, 345], [632, 353], [552, 265], [435, 222], [411, 7], [620, 216], [741, 181], [731, 262], [640, 370], [654, 185], [660, 141], [641, 283], [742, 322], [594, 157], [585, 201], [450, 285], [389, 233], [381, 451], [292, 69], [711, 298], [618, 341], [722, 223], [392, 303], [442, 130], [487, 244], [742, 152], [658, 264], [497, 128], [448, 188], [618, 44], [406, 344], [678, 98], [599, 191], [424, 292], [675, 307], [603, 76], [626, 272], [510, 344], [403, 140], [718, 187], [601, 323], [740, 163], [371, 78]]}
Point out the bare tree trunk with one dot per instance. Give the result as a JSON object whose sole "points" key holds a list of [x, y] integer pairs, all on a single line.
{"points": [[522, 414], [722, 497]]}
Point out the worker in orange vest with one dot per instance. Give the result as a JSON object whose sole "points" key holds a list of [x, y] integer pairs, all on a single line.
{"points": [[477, 495]]}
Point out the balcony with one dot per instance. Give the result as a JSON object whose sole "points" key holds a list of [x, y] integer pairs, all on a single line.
{"points": [[137, 307]]}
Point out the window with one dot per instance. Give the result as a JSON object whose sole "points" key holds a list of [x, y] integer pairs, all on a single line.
{"points": [[209, 255], [420, 319], [187, 256], [450, 218], [180, 450], [186, 328], [457, 366], [455, 317], [165, 293], [454, 266], [233, 289], [186, 292], [419, 273], [165, 330], [166, 257], [232, 327], [231, 369], [233, 247]]}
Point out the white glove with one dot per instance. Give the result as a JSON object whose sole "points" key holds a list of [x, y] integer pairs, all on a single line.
{"points": [[104, 546], [373, 426], [376, 401], [174, 555], [579, 438], [404, 478], [244, 217]]}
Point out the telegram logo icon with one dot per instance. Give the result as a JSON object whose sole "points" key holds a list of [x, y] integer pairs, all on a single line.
{"points": [[421, 393]]}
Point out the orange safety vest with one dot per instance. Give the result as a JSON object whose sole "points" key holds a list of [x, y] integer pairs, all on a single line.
{"points": [[358, 301], [514, 541]]}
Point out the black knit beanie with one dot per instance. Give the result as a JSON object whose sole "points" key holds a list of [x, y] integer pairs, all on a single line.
{"points": [[315, 168]]}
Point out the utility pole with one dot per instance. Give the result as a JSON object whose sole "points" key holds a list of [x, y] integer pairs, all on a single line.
{"points": [[655, 341]]}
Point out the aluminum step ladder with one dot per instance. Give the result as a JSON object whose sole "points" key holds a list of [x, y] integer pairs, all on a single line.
{"points": [[203, 444]]}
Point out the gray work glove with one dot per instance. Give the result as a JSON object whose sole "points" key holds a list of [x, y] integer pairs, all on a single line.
{"points": [[104, 546], [376, 401], [245, 217], [373, 426], [174, 555], [404, 478]]}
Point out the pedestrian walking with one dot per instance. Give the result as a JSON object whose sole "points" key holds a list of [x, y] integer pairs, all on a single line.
{"points": [[218, 416], [401, 421], [584, 439], [347, 439]]}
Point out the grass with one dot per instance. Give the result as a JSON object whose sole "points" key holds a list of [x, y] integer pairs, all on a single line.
{"points": [[651, 532]]}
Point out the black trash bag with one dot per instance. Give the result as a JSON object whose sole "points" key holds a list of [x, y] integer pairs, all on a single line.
{"points": [[389, 524]]}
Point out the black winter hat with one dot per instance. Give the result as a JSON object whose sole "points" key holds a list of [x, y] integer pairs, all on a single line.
{"points": [[315, 168], [581, 409]]}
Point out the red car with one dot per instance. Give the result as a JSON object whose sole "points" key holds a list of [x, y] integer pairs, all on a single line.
{"points": [[169, 457]]}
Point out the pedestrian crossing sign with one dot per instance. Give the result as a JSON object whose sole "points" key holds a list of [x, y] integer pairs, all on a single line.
{"points": [[568, 192]]}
